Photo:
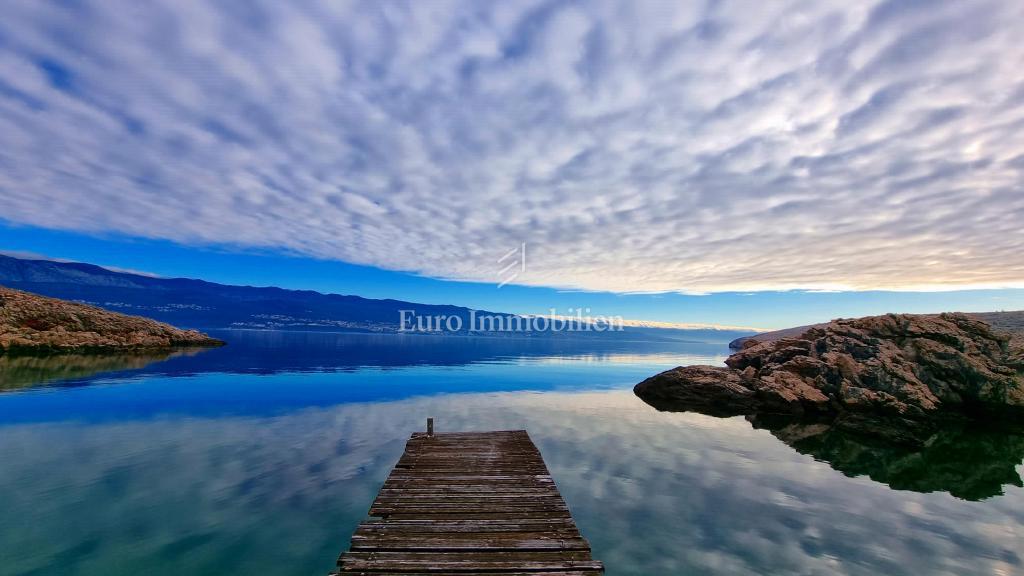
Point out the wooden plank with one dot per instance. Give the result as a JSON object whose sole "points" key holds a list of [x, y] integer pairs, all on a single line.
{"points": [[542, 525], [468, 561], [469, 541], [413, 572], [484, 515], [469, 503]]}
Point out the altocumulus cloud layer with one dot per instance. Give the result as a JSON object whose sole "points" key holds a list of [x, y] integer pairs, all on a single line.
{"points": [[634, 146]]}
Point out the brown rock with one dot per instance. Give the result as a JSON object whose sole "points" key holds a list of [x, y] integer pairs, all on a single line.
{"points": [[708, 389], [908, 366], [33, 323], [784, 391], [806, 366]]}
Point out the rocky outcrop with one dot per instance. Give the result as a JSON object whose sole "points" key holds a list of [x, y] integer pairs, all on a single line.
{"points": [[704, 389], [908, 367], [36, 324], [1011, 322]]}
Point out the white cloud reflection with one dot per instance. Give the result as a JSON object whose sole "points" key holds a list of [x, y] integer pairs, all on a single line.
{"points": [[655, 493]]}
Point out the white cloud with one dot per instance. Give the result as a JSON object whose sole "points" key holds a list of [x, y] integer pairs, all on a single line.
{"points": [[745, 146], [23, 255]]}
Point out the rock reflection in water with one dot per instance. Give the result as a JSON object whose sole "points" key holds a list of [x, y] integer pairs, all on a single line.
{"points": [[968, 459], [971, 461], [18, 371]]}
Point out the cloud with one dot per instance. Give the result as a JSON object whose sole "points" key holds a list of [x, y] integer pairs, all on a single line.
{"points": [[737, 146], [21, 254], [131, 271], [31, 256]]}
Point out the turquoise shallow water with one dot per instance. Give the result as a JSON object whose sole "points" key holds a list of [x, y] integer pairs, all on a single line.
{"points": [[263, 456]]}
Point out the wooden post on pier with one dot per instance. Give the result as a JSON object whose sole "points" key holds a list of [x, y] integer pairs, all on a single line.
{"points": [[469, 502]]}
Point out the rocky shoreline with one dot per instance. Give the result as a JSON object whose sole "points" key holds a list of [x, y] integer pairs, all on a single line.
{"points": [[33, 324], [888, 374]]}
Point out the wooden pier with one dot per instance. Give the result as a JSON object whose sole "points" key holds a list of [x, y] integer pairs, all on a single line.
{"points": [[471, 504]]}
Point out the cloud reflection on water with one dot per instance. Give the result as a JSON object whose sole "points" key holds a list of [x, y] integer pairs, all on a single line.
{"points": [[655, 493]]}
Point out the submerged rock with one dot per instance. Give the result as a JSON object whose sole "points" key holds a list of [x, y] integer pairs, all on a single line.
{"points": [[37, 324], [910, 367]]}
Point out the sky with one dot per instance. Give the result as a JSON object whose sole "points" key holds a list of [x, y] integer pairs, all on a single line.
{"points": [[748, 163], [758, 310]]}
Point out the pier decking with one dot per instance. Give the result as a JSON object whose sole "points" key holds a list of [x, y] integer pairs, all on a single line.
{"points": [[469, 503]]}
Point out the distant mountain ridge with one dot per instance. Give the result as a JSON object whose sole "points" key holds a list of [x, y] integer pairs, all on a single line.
{"points": [[208, 305]]}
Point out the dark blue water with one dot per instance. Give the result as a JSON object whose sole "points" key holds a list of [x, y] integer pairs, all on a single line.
{"points": [[261, 457]]}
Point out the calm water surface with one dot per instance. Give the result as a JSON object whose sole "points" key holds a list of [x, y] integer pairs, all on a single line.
{"points": [[262, 457]]}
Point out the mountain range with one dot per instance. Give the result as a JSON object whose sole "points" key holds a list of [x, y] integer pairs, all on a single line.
{"points": [[198, 304]]}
